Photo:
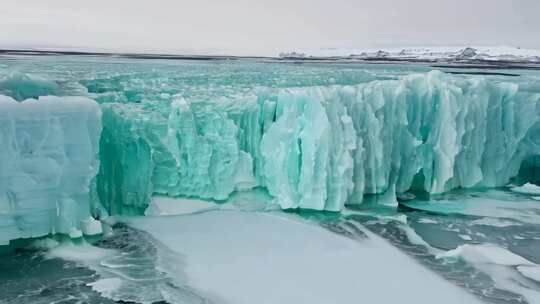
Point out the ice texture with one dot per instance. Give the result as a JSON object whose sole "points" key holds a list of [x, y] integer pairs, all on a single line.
{"points": [[48, 158], [320, 147], [22, 86], [274, 258], [318, 140], [508, 270]]}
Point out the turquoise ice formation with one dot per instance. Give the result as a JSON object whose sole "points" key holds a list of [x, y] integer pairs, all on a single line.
{"points": [[321, 147], [48, 158], [312, 137]]}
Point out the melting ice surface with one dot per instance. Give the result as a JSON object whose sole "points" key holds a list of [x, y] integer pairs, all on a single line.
{"points": [[194, 162]]}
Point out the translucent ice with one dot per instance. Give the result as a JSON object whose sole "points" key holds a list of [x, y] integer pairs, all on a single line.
{"points": [[23, 86], [48, 157], [313, 147], [321, 147]]}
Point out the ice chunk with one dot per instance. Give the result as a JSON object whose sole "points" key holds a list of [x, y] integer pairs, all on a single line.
{"points": [[48, 158], [90, 226], [75, 233], [528, 188], [22, 86]]}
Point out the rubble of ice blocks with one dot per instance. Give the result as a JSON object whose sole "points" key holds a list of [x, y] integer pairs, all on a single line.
{"points": [[321, 147], [48, 157]]}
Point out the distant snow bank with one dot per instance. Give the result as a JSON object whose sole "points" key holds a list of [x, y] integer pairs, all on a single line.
{"points": [[500, 53]]}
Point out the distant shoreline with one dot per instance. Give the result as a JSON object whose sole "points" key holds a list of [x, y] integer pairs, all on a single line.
{"points": [[472, 63], [126, 55]]}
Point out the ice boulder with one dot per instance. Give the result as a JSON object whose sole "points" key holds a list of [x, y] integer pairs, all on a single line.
{"points": [[23, 86]]}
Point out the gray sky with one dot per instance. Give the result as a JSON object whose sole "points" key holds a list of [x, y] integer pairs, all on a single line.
{"points": [[266, 27]]}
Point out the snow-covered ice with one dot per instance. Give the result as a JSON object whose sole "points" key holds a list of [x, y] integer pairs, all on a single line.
{"points": [[437, 53], [508, 270], [249, 257]]}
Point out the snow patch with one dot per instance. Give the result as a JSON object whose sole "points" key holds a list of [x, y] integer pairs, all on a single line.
{"points": [[443, 53]]}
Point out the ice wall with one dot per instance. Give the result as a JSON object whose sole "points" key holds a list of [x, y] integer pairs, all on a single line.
{"points": [[316, 147], [322, 147], [48, 157], [184, 152]]}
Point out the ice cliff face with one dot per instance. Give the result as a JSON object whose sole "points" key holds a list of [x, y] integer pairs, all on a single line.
{"points": [[48, 158], [322, 147], [317, 147]]}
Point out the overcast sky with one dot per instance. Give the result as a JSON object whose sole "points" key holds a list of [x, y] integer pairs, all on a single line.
{"points": [[266, 27]]}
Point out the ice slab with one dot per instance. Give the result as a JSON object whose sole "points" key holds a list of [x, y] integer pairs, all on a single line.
{"points": [[493, 204], [531, 272], [508, 270], [246, 257]]}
